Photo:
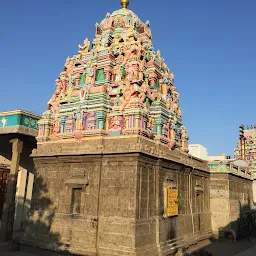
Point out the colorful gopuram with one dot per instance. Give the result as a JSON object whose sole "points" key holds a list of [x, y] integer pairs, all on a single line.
{"points": [[246, 146], [106, 181], [116, 85]]}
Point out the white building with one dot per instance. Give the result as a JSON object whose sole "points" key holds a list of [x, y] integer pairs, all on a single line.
{"points": [[217, 158], [198, 151]]}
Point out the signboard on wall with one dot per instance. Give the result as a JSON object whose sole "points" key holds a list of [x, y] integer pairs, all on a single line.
{"points": [[172, 208]]}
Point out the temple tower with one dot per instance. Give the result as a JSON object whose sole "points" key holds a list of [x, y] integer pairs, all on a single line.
{"points": [[113, 176], [116, 85]]}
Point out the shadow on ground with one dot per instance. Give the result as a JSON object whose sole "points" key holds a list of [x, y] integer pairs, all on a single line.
{"points": [[235, 238]]}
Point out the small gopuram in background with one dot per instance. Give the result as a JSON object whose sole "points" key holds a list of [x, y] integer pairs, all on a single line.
{"points": [[246, 146], [246, 150], [231, 190], [231, 196], [113, 176], [18, 130]]}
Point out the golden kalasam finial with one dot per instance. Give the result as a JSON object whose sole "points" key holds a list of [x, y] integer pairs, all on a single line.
{"points": [[124, 3]]}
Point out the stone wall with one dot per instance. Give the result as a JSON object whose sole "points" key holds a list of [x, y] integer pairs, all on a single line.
{"points": [[122, 200], [230, 197]]}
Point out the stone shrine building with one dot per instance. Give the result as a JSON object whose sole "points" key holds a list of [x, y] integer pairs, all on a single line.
{"points": [[112, 173]]}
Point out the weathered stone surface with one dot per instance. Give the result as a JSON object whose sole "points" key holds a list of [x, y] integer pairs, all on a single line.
{"points": [[231, 196], [122, 200]]}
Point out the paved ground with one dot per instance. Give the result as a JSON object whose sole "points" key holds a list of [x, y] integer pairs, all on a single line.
{"points": [[6, 251], [249, 252], [224, 247]]}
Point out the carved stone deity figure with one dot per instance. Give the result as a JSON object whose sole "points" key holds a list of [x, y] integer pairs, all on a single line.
{"points": [[141, 69], [118, 74], [59, 85], [56, 128], [171, 76], [166, 79], [174, 105], [53, 103], [158, 54], [115, 43], [97, 43], [130, 33], [164, 88], [91, 121], [184, 132], [122, 22], [85, 48], [89, 74], [129, 71], [174, 92], [135, 52], [117, 101], [147, 103], [64, 80], [165, 129], [142, 96], [72, 79], [72, 82], [147, 29], [116, 123], [107, 21], [120, 59], [168, 103], [132, 70], [150, 124], [70, 123], [78, 119], [69, 66], [104, 41], [127, 94]]}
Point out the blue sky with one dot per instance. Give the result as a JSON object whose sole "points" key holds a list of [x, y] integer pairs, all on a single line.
{"points": [[208, 45]]}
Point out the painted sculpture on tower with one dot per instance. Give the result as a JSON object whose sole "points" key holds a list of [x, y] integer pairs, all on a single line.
{"points": [[116, 85], [246, 146]]}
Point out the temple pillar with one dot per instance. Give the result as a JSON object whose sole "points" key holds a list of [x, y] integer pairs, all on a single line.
{"points": [[47, 130], [9, 205], [107, 123], [159, 126], [127, 122], [62, 122], [137, 123], [39, 130], [101, 118]]}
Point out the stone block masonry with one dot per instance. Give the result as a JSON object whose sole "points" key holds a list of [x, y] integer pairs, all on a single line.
{"points": [[106, 196]]}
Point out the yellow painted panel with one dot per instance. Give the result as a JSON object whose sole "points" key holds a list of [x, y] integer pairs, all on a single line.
{"points": [[172, 202]]}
